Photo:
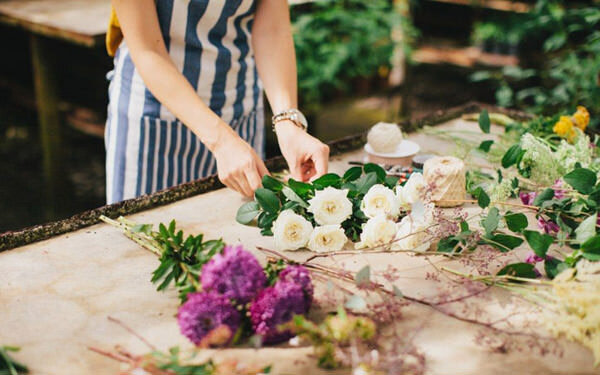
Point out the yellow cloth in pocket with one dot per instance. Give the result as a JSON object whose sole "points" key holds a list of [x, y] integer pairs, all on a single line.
{"points": [[114, 35]]}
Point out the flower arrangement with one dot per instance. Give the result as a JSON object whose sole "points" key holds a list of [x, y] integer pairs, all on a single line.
{"points": [[226, 295], [361, 207]]}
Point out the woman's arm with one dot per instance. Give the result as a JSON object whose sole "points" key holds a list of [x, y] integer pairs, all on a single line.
{"points": [[238, 165], [307, 157]]}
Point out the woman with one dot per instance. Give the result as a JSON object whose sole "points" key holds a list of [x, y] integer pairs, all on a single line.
{"points": [[198, 63]]}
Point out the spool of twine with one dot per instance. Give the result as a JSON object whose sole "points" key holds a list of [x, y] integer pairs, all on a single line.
{"points": [[446, 176]]}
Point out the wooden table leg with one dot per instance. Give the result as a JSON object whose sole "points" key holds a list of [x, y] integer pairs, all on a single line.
{"points": [[46, 93]]}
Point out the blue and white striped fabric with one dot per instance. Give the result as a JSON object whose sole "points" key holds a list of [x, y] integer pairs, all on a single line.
{"points": [[148, 149]]}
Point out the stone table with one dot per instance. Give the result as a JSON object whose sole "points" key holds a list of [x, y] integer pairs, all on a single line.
{"points": [[56, 295]]}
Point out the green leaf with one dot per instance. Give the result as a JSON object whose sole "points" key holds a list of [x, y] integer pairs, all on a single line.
{"points": [[300, 188], [512, 156], [553, 267], [524, 270], [380, 172], [546, 195], [582, 180], [504, 242], [516, 222], [266, 219], [591, 257], [247, 212], [483, 200], [591, 246], [539, 243], [352, 174], [356, 303], [484, 121], [587, 229], [270, 183], [364, 183], [391, 181], [491, 221], [329, 179], [485, 146], [447, 244], [267, 200], [363, 276], [293, 197], [397, 292]]}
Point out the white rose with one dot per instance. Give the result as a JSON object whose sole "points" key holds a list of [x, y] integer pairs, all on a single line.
{"points": [[412, 230], [291, 231], [330, 206], [414, 190], [380, 200], [378, 231], [327, 238]]}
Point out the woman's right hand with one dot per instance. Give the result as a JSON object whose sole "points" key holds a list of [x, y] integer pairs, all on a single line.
{"points": [[238, 165]]}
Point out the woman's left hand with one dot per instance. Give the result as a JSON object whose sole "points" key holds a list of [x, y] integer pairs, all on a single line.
{"points": [[307, 157]]}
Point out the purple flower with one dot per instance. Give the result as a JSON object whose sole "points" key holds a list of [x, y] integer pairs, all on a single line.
{"points": [[558, 192], [532, 258], [235, 273], [528, 198], [548, 226], [301, 276], [274, 306], [205, 313]]}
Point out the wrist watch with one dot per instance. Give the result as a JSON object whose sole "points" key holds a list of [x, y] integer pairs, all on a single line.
{"points": [[293, 115]]}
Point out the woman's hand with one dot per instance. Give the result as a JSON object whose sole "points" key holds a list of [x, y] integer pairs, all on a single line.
{"points": [[307, 157], [238, 165]]}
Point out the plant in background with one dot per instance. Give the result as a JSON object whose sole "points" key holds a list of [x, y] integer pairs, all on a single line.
{"points": [[569, 76], [339, 40]]}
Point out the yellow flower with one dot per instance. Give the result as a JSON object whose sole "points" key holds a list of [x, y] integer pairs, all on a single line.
{"points": [[581, 118], [564, 128]]}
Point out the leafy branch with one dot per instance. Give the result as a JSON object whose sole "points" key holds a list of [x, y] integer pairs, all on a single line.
{"points": [[181, 259]]}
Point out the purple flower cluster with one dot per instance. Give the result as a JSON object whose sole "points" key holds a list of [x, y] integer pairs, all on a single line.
{"points": [[300, 276], [235, 273], [274, 306], [205, 312], [233, 283]]}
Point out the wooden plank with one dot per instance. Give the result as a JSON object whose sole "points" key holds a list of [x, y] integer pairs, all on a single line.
{"points": [[78, 21], [466, 57]]}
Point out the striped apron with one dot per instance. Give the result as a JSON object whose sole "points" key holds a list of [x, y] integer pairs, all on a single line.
{"points": [[147, 147]]}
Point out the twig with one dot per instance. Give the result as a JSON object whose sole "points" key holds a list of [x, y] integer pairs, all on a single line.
{"points": [[130, 330]]}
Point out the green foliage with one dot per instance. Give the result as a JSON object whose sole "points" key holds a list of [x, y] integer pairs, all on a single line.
{"points": [[581, 179], [9, 366], [484, 121], [523, 270], [570, 39], [339, 40], [182, 259], [294, 195]]}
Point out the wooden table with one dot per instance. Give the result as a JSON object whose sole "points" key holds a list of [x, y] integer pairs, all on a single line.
{"points": [[56, 295], [82, 22]]}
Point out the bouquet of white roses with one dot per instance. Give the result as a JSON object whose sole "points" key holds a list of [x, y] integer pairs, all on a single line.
{"points": [[362, 206]]}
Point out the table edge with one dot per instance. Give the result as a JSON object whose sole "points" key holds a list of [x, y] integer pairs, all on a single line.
{"points": [[13, 239]]}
